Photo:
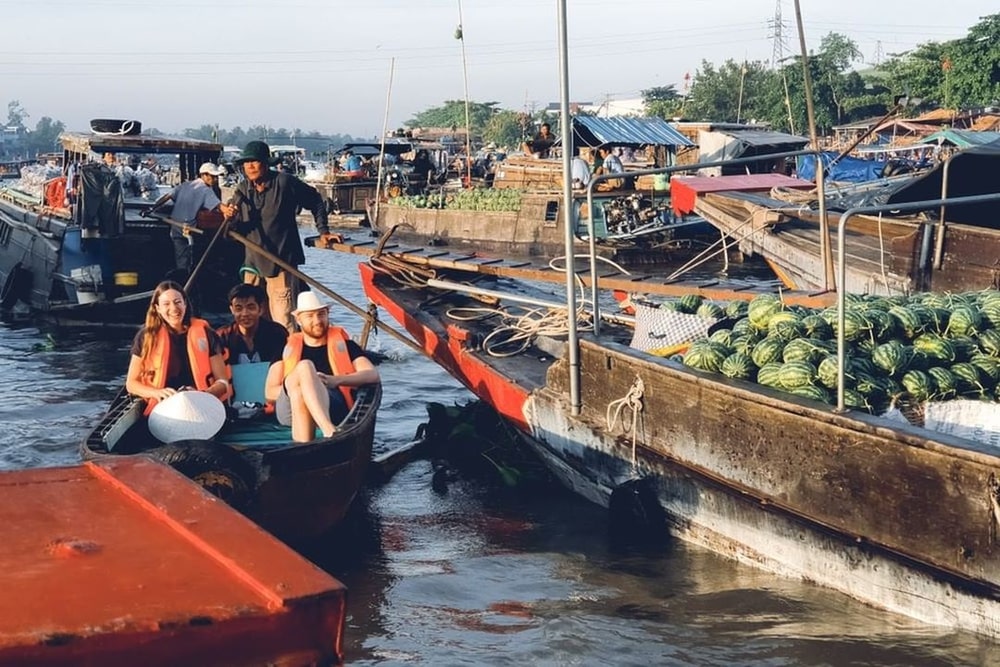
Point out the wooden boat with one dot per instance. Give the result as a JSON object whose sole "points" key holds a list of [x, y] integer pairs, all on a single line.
{"points": [[297, 491], [125, 562], [950, 248], [97, 260], [897, 516], [349, 194]]}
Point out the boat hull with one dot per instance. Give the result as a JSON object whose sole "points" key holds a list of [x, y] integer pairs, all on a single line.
{"points": [[296, 491], [892, 515]]}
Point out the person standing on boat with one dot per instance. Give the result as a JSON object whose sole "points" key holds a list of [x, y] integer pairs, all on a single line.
{"points": [[313, 386], [542, 142], [249, 338], [580, 173], [174, 351], [190, 198], [265, 207]]}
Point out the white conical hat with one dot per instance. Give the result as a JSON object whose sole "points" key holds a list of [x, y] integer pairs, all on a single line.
{"points": [[187, 415]]}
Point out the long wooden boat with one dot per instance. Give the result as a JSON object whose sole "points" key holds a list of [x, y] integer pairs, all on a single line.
{"points": [[897, 516], [951, 248], [298, 491], [97, 260]]}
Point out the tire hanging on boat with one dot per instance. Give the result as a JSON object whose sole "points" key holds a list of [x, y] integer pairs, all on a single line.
{"points": [[216, 469], [16, 287]]}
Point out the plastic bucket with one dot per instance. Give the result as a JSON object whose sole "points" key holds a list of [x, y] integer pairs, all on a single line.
{"points": [[127, 279]]}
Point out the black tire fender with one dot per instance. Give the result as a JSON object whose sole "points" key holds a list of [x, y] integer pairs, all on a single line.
{"points": [[116, 126], [15, 287], [218, 470]]}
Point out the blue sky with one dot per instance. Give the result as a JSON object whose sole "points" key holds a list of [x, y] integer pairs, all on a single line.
{"points": [[325, 64]]}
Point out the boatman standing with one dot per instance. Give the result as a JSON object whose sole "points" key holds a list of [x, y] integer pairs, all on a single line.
{"points": [[264, 208]]}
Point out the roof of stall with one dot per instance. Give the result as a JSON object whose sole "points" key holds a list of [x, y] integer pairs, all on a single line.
{"points": [[961, 138], [81, 142], [766, 138], [624, 131]]}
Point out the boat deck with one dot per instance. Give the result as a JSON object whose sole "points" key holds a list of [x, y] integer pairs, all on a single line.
{"points": [[128, 562]]}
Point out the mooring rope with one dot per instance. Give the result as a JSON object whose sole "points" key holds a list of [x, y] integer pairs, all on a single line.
{"points": [[630, 422]]}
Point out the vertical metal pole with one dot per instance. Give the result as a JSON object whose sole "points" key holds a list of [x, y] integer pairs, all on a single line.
{"points": [[468, 124], [570, 237], [939, 232], [381, 152]]}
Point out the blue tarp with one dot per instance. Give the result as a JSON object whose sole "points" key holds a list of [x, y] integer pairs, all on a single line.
{"points": [[847, 169]]}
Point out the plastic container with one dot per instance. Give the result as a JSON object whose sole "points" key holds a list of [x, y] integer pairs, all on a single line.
{"points": [[87, 293], [127, 279]]}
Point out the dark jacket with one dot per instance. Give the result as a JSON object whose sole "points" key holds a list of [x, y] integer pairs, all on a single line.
{"points": [[268, 218]]}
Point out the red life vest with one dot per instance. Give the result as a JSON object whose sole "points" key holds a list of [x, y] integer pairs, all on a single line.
{"points": [[336, 352], [199, 354]]}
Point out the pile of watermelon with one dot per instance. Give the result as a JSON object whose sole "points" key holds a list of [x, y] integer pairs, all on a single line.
{"points": [[924, 347]]}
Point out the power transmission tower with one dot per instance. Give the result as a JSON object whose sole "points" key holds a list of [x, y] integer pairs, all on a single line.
{"points": [[778, 30], [879, 53]]}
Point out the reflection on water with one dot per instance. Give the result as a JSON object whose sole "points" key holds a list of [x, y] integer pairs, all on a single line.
{"points": [[477, 575]]}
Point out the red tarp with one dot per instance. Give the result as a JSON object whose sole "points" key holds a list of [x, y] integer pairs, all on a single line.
{"points": [[684, 190]]}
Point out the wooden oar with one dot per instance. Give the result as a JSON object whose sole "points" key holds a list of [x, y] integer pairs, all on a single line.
{"points": [[320, 287], [221, 231], [180, 225]]}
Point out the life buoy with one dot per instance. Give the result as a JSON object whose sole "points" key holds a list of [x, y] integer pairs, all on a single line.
{"points": [[218, 470], [16, 287]]}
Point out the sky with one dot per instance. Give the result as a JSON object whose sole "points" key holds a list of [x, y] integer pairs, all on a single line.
{"points": [[355, 67]]}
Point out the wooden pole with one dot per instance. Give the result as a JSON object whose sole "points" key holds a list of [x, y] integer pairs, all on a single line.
{"points": [[320, 287], [468, 122], [381, 150]]}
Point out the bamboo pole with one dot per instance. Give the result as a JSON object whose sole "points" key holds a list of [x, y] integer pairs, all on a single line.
{"points": [[381, 150]]}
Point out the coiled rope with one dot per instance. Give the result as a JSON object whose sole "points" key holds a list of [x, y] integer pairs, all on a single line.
{"points": [[629, 419]]}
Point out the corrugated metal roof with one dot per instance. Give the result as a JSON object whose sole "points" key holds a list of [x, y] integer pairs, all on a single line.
{"points": [[624, 130], [962, 138], [766, 138]]}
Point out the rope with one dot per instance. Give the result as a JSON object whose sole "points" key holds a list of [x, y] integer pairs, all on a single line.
{"points": [[616, 410], [517, 329], [125, 128]]}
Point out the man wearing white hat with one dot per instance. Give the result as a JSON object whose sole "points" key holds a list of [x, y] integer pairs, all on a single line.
{"points": [[313, 385], [191, 198]]}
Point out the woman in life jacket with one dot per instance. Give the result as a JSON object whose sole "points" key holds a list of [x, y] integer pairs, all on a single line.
{"points": [[175, 352]]}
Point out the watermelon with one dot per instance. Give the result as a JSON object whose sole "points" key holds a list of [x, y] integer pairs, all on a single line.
{"points": [[767, 375], [965, 347], [784, 325], [742, 327], [796, 374], [814, 326], [689, 303], [669, 305], [988, 367], [853, 399], [723, 336], [892, 357], [803, 349], [989, 342], [935, 347], [767, 351], [761, 309], [743, 344], [991, 311], [705, 356], [811, 391], [918, 384], [739, 366], [964, 321], [946, 382], [826, 373], [737, 308], [967, 377], [909, 320], [710, 311]]}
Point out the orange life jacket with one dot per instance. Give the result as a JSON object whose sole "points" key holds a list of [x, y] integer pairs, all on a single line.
{"points": [[336, 352], [199, 354]]}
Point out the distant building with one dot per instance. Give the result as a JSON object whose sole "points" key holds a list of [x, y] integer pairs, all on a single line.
{"points": [[607, 109]]}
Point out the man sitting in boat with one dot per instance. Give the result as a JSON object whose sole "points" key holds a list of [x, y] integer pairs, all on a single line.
{"points": [[542, 142], [312, 387], [175, 351], [249, 338], [190, 198], [353, 165]]}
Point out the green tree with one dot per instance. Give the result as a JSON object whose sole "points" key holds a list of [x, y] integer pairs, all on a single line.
{"points": [[45, 137], [662, 101], [452, 114], [504, 129], [716, 93], [16, 115]]}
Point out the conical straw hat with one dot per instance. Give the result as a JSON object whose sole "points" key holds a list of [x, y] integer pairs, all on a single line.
{"points": [[187, 415]]}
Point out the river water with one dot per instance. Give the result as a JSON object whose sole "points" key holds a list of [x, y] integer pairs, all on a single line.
{"points": [[476, 575]]}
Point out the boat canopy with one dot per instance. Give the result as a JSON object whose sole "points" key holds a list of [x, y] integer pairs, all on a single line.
{"points": [[961, 138], [623, 131], [372, 148]]}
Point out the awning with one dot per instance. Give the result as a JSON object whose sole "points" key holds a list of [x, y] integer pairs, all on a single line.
{"points": [[767, 138], [624, 131]]}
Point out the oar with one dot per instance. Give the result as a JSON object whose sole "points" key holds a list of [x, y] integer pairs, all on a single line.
{"points": [[183, 226], [320, 287]]}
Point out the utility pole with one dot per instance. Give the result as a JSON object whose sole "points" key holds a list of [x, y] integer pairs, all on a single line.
{"points": [[778, 30]]}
